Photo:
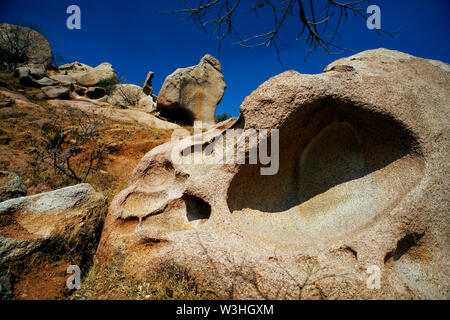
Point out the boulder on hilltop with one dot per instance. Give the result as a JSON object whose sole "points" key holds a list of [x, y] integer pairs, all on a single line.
{"points": [[192, 94]]}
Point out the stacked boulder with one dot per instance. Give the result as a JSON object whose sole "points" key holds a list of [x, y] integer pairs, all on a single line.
{"points": [[86, 82], [192, 94], [11, 186], [187, 95]]}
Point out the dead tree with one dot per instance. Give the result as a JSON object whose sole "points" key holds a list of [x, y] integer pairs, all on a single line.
{"points": [[73, 145], [129, 95], [317, 21], [16, 41]]}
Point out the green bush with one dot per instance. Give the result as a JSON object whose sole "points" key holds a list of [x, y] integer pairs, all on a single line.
{"points": [[222, 117], [108, 84]]}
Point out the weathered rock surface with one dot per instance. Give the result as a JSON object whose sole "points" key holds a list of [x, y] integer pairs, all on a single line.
{"points": [[126, 95], [69, 74], [193, 93], [36, 73], [32, 78], [103, 71], [38, 53], [57, 92], [75, 67], [65, 79], [148, 103], [11, 186], [29, 223], [148, 87], [123, 115], [362, 186]]}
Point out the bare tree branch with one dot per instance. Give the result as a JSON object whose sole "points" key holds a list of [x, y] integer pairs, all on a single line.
{"points": [[313, 24]]}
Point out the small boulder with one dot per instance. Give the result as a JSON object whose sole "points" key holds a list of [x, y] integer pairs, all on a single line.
{"points": [[127, 95], [57, 92], [46, 82], [148, 103], [26, 78], [38, 73], [11, 186], [29, 224]]}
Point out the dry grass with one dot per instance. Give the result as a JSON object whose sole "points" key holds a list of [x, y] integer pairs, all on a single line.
{"points": [[168, 282]]}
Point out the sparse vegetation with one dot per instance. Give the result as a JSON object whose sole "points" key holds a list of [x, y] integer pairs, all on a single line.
{"points": [[222, 117], [129, 95], [16, 44], [168, 282], [108, 84], [70, 134]]}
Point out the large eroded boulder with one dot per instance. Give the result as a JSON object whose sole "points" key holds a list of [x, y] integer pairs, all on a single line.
{"points": [[29, 224], [192, 94], [34, 49], [361, 193]]}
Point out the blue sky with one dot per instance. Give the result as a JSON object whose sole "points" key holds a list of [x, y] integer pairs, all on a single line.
{"points": [[136, 38]]}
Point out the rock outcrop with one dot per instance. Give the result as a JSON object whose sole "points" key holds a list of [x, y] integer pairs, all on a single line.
{"points": [[193, 93], [11, 186], [28, 224], [148, 87], [34, 78], [361, 192], [93, 77], [122, 115], [130, 95], [126, 95], [33, 48], [57, 92]]}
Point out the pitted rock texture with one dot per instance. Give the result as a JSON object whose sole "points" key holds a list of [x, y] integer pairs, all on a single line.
{"points": [[192, 94], [11, 186], [362, 184]]}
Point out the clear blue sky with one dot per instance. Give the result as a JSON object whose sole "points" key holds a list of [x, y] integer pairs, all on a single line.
{"points": [[135, 38]]}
